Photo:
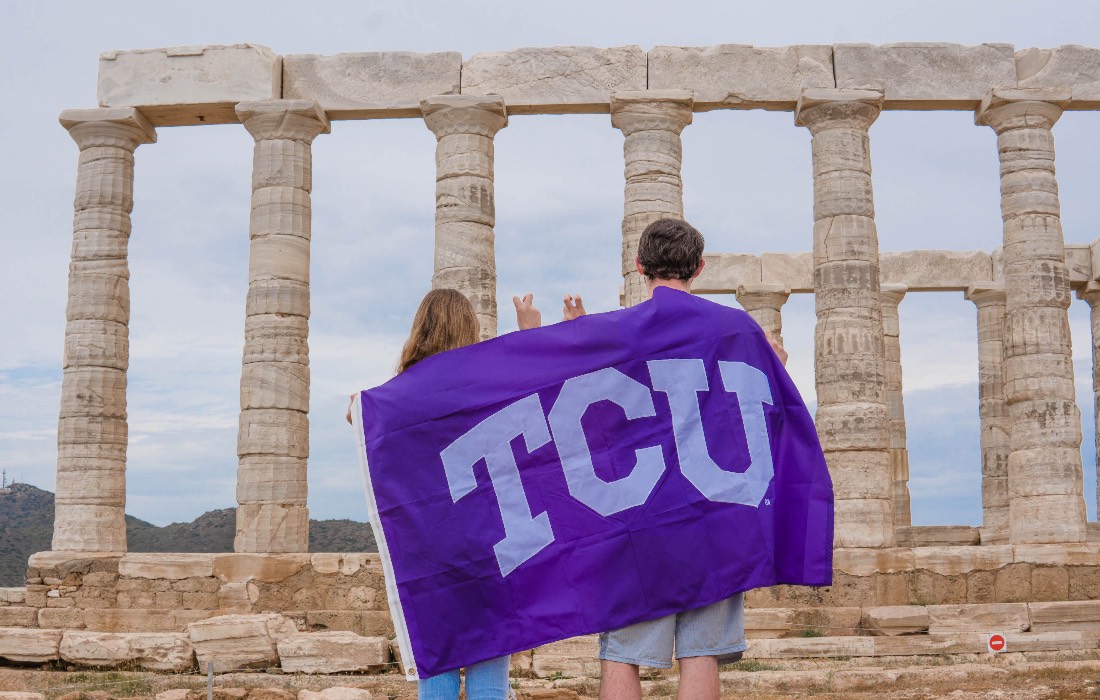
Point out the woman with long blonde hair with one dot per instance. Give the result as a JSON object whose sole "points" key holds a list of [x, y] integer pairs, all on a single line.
{"points": [[446, 321]]}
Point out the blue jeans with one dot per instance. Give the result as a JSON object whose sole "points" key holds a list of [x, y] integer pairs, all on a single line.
{"points": [[487, 680]]}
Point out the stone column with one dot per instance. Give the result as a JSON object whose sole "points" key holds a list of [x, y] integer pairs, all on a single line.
{"points": [[850, 353], [651, 121], [890, 298], [1046, 501], [273, 443], [990, 300], [90, 504], [764, 302], [465, 212], [1091, 294]]}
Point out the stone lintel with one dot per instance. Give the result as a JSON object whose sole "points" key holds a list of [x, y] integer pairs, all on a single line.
{"points": [[556, 79], [166, 566], [723, 273], [189, 85], [372, 85], [268, 568]]}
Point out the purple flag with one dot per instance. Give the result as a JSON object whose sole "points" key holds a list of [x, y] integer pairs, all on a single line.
{"points": [[588, 475]]}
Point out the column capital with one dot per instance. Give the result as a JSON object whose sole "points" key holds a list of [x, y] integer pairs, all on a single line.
{"points": [[893, 293], [464, 114], [293, 120], [122, 127], [1012, 108], [820, 108], [1090, 293], [986, 294], [651, 110], [770, 296]]}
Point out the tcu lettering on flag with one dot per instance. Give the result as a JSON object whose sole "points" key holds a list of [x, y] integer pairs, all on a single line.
{"points": [[588, 475]]}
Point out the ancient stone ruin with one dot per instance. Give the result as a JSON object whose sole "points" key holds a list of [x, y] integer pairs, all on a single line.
{"points": [[1031, 571]]}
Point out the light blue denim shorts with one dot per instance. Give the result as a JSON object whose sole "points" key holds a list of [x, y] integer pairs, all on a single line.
{"points": [[713, 630]]}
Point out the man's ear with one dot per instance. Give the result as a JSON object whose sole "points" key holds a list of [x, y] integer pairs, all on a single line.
{"points": [[699, 271], [638, 265]]}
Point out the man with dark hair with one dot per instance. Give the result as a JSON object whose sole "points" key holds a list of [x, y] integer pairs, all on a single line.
{"points": [[670, 254]]}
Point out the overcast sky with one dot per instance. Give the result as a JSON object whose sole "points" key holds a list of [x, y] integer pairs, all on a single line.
{"points": [[559, 183]]}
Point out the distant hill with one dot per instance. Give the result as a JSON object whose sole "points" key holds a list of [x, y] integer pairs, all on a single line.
{"points": [[26, 527]]}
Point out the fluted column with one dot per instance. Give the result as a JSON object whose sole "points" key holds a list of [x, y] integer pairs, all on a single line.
{"points": [[1091, 294], [1046, 501], [990, 300], [90, 503], [764, 302], [651, 121], [890, 298], [850, 353], [273, 442], [465, 212]]}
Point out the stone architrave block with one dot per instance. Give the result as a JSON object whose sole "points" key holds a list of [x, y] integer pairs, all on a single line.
{"points": [[793, 270], [332, 652], [29, 646], [570, 657], [1079, 262], [13, 596], [156, 652], [938, 536], [189, 85], [236, 642], [1075, 615], [926, 76], [992, 617], [1070, 66], [941, 270], [336, 693], [955, 561], [740, 76], [556, 80], [383, 84], [268, 568], [895, 620], [768, 623], [166, 566], [723, 273]]}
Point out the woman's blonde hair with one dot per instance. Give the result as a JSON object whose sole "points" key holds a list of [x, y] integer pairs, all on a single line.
{"points": [[444, 321]]}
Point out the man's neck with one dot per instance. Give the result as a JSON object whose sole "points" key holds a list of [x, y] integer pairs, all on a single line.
{"points": [[679, 285]]}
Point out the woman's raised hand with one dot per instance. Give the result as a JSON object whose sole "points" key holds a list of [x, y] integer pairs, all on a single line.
{"points": [[527, 316], [574, 307]]}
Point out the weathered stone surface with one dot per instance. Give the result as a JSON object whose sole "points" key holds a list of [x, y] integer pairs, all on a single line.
{"points": [[996, 617], [895, 620], [371, 85], [926, 75], [794, 270], [864, 562], [796, 647], [269, 568], [166, 566], [1075, 615], [569, 657], [336, 693], [952, 561], [13, 596], [1072, 66], [723, 273], [29, 645], [18, 616], [938, 536], [18, 695], [177, 694], [936, 269], [235, 642], [156, 652], [189, 84], [330, 564], [739, 75], [332, 652], [555, 80]]}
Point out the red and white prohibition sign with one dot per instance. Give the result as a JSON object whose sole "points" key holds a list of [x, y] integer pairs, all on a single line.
{"points": [[996, 643]]}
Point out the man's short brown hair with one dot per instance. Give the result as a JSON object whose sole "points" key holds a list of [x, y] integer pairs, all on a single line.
{"points": [[670, 249]]}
